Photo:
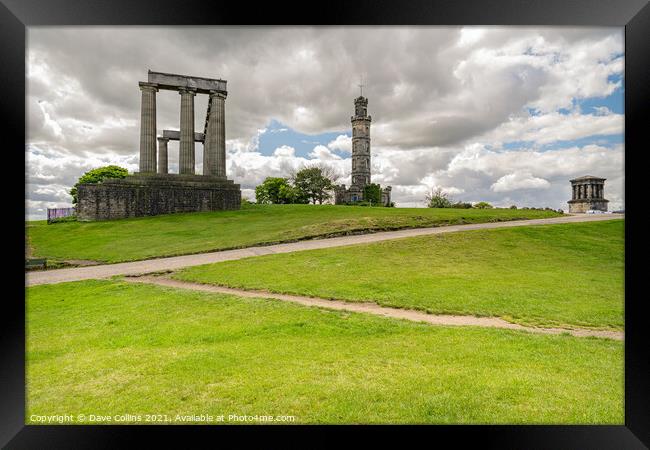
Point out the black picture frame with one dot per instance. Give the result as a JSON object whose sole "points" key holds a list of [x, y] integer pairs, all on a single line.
{"points": [[634, 15]]}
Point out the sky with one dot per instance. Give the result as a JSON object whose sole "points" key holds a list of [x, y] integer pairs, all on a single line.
{"points": [[506, 115]]}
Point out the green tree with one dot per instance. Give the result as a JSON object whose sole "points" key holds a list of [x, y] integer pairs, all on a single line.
{"points": [[372, 193], [96, 176], [438, 199], [483, 205], [275, 190], [314, 183]]}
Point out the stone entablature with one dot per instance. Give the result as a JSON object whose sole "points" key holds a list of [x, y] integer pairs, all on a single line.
{"points": [[588, 193]]}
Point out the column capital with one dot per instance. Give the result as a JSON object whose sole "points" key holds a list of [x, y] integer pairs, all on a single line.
{"points": [[187, 90], [151, 87], [163, 139], [218, 94]]}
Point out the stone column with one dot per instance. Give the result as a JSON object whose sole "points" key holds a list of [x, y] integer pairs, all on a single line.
{"points": [[573, 192], [186, 146], [148, 128], [214, 160], [207, 154], [162, 154]]}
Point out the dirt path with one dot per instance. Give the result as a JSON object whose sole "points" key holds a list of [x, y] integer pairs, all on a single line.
{"points": [[178, 262], [373, 308]]}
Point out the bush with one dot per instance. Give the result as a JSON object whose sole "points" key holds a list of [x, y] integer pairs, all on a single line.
{"points": [[372, 193], [482, 205], [437, 199], [97, 176], [513, 206], [461, 205]]}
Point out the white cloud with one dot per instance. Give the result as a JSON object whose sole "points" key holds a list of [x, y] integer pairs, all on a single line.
{"points": [[285, 151], [323, 153], [342, 142], [519, 180]]}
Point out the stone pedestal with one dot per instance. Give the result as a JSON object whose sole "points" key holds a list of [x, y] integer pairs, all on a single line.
{"points": [[152, 194]]}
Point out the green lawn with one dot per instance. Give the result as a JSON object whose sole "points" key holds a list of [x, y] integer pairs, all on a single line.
{"points": [[553, 275], [175, 234], [108, 347]]}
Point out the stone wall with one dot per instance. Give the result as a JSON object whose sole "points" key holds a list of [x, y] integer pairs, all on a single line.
{"points": [[149, 195], [582, 206]]}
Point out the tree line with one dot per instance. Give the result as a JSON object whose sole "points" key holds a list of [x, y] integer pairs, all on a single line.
{"points": [[312, 184]]}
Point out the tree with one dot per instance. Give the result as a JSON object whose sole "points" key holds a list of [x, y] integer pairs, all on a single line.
{"points": [[437, 199], [97, 176], [372, 193], [315, 183], [483, 205], [276, 190]]}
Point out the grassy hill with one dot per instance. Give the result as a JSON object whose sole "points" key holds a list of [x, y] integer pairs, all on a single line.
{"points": [[557, 275], [176, 234], [111, 348]]}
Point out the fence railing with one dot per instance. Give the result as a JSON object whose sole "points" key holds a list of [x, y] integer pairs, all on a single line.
{"points": [[54, 214]]}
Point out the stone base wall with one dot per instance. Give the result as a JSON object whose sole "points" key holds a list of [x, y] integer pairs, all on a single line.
{"points": [[150, 195], [582, 206], [354, 193]]}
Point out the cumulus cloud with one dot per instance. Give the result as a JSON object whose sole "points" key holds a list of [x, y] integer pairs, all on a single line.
{"points": [[521, 180], [285, 151], [323, 153], [343, 142], [444, 102]]}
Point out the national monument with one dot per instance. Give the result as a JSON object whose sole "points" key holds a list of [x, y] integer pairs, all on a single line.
{"points": [[153, 190]]}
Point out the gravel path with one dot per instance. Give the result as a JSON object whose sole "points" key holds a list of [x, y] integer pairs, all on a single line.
{"points": [[373, 308], [178, 262]]}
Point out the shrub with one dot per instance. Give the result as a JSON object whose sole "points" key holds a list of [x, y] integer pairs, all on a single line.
{"points": [[482, 205], [97, 176], [437, 199], [372, 193]]}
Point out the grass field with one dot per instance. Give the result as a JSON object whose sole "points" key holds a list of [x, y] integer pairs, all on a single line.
{"points": [[109, 347], [175, 234], [554, 275]]}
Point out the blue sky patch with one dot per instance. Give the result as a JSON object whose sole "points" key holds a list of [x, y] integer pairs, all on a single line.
{"points": [[277, 134]]}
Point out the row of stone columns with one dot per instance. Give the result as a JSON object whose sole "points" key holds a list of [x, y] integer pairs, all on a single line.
{"points": [[586, 191], [214, 153]]}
